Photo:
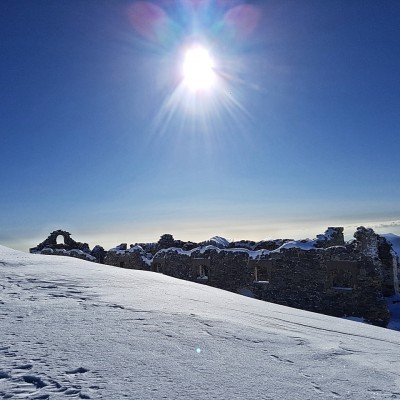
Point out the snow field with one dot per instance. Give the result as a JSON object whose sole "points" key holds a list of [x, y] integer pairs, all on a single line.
{"points": [[74, 329]]}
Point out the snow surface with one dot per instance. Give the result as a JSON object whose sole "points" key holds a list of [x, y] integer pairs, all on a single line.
{"points": [[75, 329]]}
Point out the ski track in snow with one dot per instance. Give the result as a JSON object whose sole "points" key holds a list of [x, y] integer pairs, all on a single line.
{"points": [[76, 330]]}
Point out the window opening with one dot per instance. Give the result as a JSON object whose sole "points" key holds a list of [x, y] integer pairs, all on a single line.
{"points": [[261, 274], [201, 269], [343, 274], [261, 270], [342, 280], [203, 272]]}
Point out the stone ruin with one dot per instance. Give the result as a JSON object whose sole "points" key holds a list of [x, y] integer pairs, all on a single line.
{"points": [[324, 275], [68, 247]]}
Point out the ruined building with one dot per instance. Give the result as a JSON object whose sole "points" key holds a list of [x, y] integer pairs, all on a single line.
{"points": [[60, 243], [324, 275]]}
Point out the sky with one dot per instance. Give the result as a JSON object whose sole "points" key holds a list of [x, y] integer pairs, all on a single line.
{"points": [[100, 136]]}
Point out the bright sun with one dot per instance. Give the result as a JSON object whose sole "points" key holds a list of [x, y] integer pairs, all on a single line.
{"points": [[198, 69]]}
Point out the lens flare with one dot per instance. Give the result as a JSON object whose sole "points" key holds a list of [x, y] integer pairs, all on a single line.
{"points": [[197, 52]]}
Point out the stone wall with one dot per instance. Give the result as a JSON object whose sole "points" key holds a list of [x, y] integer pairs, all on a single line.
{"points": [[69, 243], [99, 254], [339, 280], [132, 258], [335, 281], [333, 236], [389, 267], [69, 247], [228, 269], [324, 275], [75, 253]]}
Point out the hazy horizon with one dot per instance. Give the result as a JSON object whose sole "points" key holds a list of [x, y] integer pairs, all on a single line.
{"points": [[113, 237]]}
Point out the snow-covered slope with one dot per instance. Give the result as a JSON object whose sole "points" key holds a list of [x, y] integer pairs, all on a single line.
{"points": [[74, 329]]}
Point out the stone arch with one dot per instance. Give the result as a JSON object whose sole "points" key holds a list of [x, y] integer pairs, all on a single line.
{"points": [[68, 243], [54, 239]]}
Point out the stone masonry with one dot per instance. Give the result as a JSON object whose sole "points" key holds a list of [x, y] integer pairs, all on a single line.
{"points": [[324, 275]]}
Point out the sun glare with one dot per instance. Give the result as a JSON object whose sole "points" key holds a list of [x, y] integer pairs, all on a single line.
{"points": [[198, 69], [203, 98]]}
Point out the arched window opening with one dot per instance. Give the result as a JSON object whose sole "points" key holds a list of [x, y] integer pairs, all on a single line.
{"points": [[60, 239]]}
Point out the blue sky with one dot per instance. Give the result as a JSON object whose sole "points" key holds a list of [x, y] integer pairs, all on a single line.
{"points": [[98, 136]]}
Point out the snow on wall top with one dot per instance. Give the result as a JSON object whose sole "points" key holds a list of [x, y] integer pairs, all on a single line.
{"points": [[121, 250], [216, 241], [328, 235], [253, 254], [202, 250], [218, 244], [68, 253], [306, 244]]}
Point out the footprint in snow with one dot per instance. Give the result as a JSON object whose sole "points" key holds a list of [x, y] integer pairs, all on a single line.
{"points": [[24, 366], [79, 370], [4, 375], [34, 380]]}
